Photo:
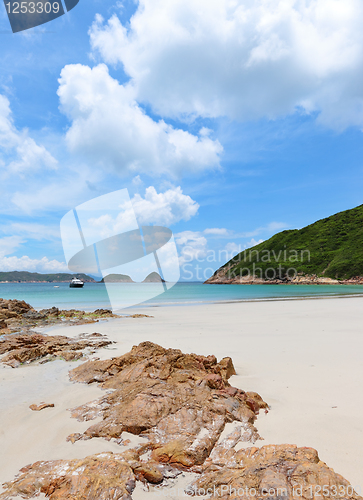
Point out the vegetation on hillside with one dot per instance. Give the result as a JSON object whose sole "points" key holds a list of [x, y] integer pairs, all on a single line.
{"points": [[331, 247], [26, 277]]}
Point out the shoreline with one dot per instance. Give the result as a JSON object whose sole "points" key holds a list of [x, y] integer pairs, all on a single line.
{"points": [[303, 358]]}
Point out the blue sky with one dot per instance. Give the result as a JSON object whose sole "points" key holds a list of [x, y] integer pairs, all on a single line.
{"points": [[233, 119]]}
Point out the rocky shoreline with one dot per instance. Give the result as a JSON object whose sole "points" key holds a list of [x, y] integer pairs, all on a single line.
{"points": [[19, 316], [181, 404], [221, 278]]}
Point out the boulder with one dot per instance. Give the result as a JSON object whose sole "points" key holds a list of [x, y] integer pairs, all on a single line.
{"points": [[180, 402], [26, 348], [271, 472]]}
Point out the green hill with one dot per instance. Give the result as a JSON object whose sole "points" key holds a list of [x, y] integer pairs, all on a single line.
{"points": [[329, 248], [26, 277]]}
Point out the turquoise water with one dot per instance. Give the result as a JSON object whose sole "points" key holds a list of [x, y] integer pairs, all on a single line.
{"points": [[94, 295]]}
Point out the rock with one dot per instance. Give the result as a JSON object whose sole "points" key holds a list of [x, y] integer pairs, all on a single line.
{"points": [[12, 309], [41, 406], [98, 477], [271, 472], [53, 311], [276, 472], [103, 312], [148, 472], [18, 316], [25, 348], [139, 316], [180, 402]]}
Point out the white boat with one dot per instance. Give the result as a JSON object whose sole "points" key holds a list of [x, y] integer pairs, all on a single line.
{"points": [[76, 283]]}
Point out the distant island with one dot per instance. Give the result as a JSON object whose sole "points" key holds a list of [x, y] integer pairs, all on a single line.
{"points": [[124, 278], [26, 277], [329, 251], [116, 278], [154, 278]]}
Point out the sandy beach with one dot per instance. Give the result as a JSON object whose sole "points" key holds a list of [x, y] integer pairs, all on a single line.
{"points": [[302, 356]]}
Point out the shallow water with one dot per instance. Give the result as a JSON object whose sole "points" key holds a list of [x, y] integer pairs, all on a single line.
{"points": [[94, 295]]}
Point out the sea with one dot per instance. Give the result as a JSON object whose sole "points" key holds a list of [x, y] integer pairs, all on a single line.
{"points": [[94, 295]]}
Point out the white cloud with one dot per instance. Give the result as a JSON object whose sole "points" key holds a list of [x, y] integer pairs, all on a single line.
{"points": [[58, 192], [218, 231], [109, 128], [31, 230], [20, 152], [275, 226], [233, 249], [193, 246], [241, 58], [25, 263], [253, 243], [155, 208], [9, 244], [8, 262], [164, 208]]}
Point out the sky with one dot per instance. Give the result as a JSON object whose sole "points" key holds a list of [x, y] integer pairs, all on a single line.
{"points": [[227, 121]]}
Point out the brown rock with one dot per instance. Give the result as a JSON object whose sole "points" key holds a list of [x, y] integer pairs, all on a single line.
{"points": [[18, 316], [25, 348], [181, 402], [271, 472], [148, 472], [99, 477], [41, 406]]}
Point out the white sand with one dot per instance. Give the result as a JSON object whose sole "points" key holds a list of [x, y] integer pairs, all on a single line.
{"points": [[304, 357]]}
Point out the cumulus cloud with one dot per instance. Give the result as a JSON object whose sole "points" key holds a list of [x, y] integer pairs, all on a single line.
{"points": [[20, 153], [154, 208], [193, 246], [25, 263], [109, 128], [164, 208], [309, 52], [9, 262]]}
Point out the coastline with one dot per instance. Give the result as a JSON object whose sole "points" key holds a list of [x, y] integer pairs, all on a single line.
{"points": [[94, 295], [219, 278], [303, 358]]}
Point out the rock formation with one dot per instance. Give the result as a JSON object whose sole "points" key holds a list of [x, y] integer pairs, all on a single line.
{"points": [[273, 471], [180, 403], [17, 315], [98, 477], [25, 348]]}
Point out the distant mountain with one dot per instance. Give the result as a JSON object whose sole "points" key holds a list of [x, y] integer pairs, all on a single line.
{"points": [[116, 278], [26, 277], [327, 251], [153, 278]]}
